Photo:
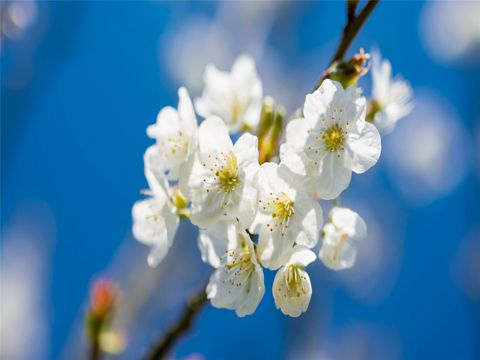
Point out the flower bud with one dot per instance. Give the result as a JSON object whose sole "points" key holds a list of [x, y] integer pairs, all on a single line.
{"points": [[180, 202], [347, 72], [271, 125], [103, 299]]}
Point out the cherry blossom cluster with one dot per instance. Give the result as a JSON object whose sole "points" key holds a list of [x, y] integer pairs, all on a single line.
{"points": [[254, 217]]}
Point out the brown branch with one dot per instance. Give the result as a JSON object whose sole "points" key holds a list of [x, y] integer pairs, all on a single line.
{"points": [[179, 327], [95, 353], [353, 26], [351, 9], [350, 31]]}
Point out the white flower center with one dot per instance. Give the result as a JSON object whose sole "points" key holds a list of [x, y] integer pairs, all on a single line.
{"points": [[175, 145], [236, 109], [293, 284], [331, 137], [341, 239], [224, 173], [239, 267], [282, 208]]}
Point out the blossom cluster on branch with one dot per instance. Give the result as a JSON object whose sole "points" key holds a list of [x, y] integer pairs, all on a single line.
{"points": [[256, 200]]}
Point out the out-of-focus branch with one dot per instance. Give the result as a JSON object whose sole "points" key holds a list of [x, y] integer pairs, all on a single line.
{"points": [[182, 325], [95, 353]]}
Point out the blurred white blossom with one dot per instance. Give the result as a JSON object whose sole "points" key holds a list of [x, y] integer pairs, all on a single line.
{"points": [[451, 29], [235, 97], [155, 219], [344, 229], [392, 97], [430, 153], [24, 272]]}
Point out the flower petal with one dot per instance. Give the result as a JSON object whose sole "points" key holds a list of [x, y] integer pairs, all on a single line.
{"points": [[349, 222], [364, 149], [333, 177], [213, 136]]}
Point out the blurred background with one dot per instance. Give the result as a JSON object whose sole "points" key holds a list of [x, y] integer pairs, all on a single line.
{"points": [[80, 82]]}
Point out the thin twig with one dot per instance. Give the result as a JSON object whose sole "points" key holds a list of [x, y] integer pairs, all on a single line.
{"points": [[179, 327], [351, 9], [353, 26], [95, 353]]}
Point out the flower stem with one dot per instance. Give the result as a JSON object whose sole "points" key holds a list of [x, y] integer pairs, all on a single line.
{"points": [[181, 326]]}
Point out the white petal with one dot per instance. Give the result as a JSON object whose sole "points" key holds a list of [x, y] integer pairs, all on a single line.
{"points": [[269, 181], [307, 220], [290, 302], [154, 165], [157, 254], [301, 255], [247, 204], [381, 75], [246, 150], [214, 242], [273, 249], [217, 94], [243, 299], [333, 177], [364, 149], [247, 83], [338, 258], [349, 222], [213, 136], [186, 111], [154, 224], [296, 133], [316, 104], [206, 213], [167, 121]]}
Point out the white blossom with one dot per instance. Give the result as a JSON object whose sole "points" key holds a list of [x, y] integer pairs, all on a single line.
{"points": [[175, 133], [292, 289], [332, 140], [235, 97], [344, 229], [221, 180], [392, 98], [285, 216], [155, 219], [237, 283]]}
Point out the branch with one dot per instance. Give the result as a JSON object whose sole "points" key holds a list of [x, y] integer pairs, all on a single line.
{"points": [[95, 353], [353, 26], [351, 9], [179, 327]]}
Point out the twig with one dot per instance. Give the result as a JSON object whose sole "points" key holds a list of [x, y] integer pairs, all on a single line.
{"points": [[350, 30], [180, 327], [351, 9], [95, 353], [353, 26]]}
